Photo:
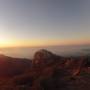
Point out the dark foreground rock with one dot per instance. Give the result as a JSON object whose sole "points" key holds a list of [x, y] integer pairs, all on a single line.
{"points": [[52, 72]]}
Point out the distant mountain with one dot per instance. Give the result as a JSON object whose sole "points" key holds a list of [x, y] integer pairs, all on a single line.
{"points": [[10, 66]]}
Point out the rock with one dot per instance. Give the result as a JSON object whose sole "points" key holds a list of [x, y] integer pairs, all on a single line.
{"points": [[53, 72], [44, 57], [75, 65]]}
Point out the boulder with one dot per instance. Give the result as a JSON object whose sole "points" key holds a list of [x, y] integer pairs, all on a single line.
{"points": [[44, 57]]}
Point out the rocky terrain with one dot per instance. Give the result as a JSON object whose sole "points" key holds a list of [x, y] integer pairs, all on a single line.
{"points": [[10, 67], [47, 71]]}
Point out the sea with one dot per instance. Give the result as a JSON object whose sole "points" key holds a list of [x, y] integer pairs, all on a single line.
{"points": [[28, 52]]}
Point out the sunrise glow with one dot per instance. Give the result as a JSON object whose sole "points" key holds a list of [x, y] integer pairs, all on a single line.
{"points": [[44, 23]]}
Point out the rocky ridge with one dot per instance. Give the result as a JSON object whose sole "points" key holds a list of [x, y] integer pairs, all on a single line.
{"points": [[52, 72]]}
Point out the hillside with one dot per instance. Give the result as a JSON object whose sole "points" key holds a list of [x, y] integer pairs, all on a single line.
{"points": [[48, 71], [10, 66]]}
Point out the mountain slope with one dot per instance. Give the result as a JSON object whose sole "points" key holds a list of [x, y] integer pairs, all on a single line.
{"points": [[51, 72], [13, 66]]}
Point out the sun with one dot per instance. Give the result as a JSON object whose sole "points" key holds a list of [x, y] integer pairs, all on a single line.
{"points": [[4, 42]]}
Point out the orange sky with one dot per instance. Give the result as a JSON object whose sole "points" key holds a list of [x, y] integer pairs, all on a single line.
{"points": [[32, 43]]}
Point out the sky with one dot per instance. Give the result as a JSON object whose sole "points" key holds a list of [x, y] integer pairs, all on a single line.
{"points": [[44, 22]]}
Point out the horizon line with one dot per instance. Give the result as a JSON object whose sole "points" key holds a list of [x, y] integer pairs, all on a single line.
{"points": [[38, 46]]}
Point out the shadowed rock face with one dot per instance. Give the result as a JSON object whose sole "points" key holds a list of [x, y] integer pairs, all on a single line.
{"points": [[52, 72], [10, 66], [75, 65], [44, 57]]}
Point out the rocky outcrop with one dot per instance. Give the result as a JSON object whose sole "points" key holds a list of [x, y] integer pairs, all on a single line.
{"points": [[44, 57], [75, 65], [52, 72], [10, 66]]}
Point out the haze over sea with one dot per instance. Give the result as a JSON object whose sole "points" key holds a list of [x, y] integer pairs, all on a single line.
{"points": [[28, 52]]}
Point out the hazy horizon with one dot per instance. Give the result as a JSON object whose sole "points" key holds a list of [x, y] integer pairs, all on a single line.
{"points": [[28, 52]]}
